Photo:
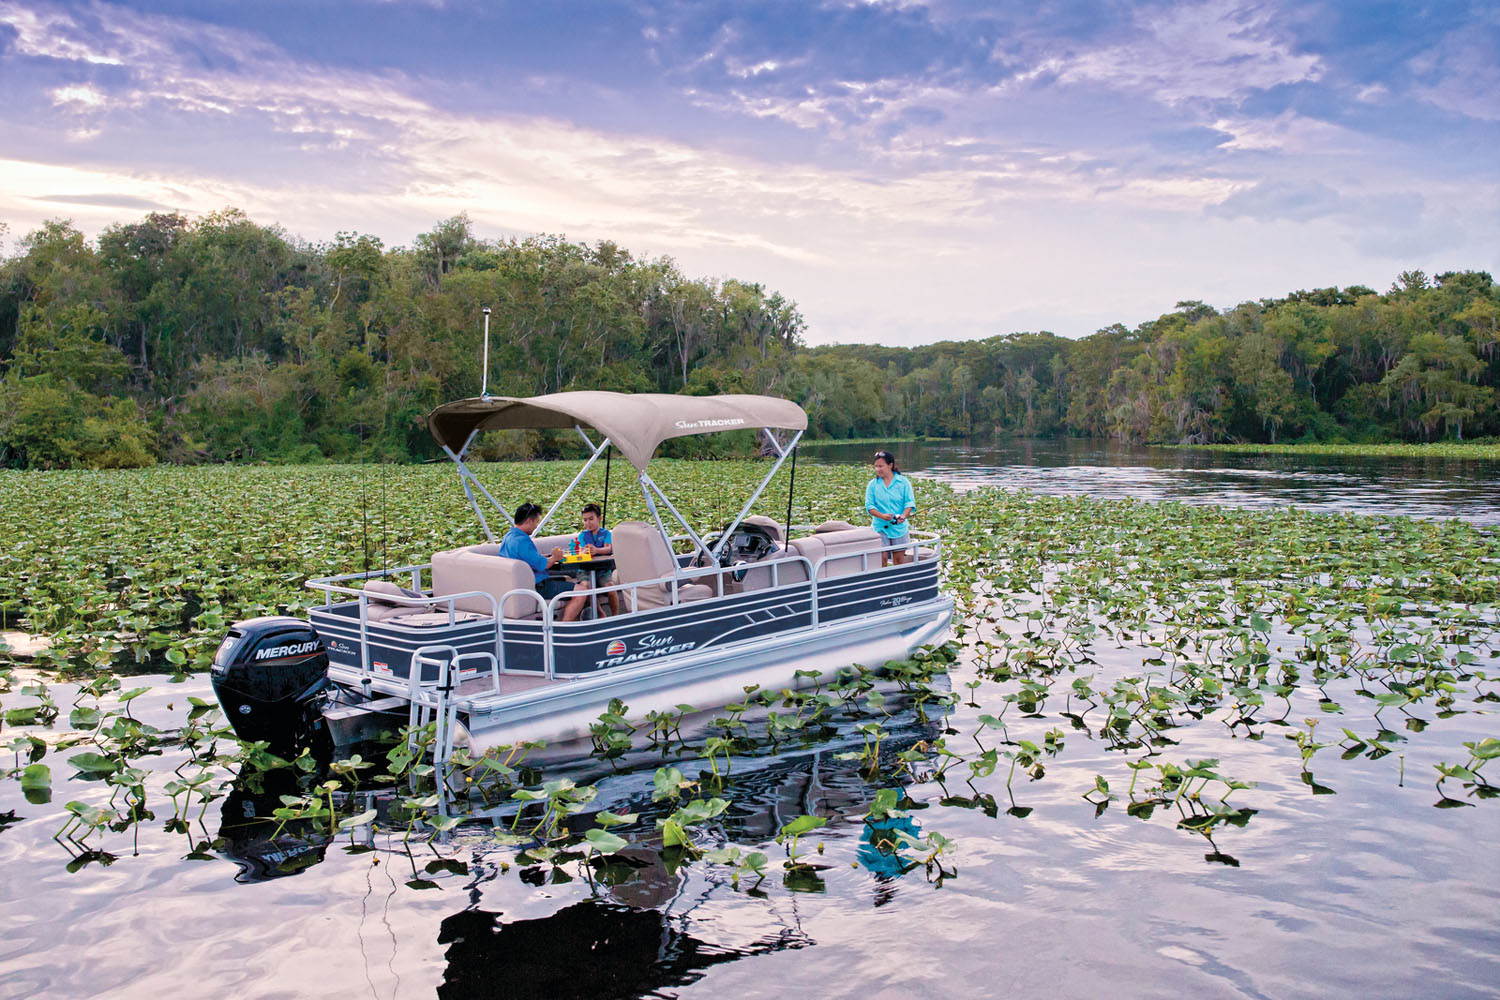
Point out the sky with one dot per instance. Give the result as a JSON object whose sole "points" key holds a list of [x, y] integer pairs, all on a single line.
{"points": [[906, 172]]}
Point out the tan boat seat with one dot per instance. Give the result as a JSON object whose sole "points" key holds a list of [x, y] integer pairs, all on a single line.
{"points": [[841, 551], [481, 568], [758, 575], [377, 609], [546, 543], [641, 554]]}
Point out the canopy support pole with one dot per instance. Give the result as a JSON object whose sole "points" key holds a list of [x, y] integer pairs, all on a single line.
{"points": [[702, 547], [604, 514], [467, 441], [781, 457], [644, 480], [786, 535], [488, 534], [594, 457], [467, 478]]}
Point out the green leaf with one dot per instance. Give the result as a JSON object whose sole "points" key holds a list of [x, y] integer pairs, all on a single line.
{"points": [[363, 819], [605, 842], [94, 764], [36, 777], [801, 825]]}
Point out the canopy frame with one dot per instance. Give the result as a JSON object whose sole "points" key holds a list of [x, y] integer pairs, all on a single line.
{"points": [[593, 457], [701, 415], [781, 456]]}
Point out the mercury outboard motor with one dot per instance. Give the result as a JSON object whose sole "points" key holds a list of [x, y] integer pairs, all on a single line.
{"points": [[270, 676]]}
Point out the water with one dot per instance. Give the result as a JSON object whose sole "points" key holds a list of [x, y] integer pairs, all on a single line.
{"points": [[1069, 466], [1368, 891], [1348, 882]]}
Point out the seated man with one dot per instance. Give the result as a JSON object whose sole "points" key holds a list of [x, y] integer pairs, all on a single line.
{"points": [[595, 540], [517, 544]]}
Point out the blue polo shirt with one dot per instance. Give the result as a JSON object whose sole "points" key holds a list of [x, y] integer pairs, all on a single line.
{"points": [[893, 499], [595, 538], [518, 545]]}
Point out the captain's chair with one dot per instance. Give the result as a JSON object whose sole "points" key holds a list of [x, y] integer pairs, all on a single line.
{"points": [[641, 554]]}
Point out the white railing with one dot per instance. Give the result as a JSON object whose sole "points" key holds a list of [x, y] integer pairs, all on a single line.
{"points": [[547, 609]]}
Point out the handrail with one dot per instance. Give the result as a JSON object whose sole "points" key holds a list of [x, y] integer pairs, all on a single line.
{"points": [[547, 608]]}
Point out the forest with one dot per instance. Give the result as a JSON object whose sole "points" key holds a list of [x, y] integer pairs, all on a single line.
{"points": [[217, 339]]}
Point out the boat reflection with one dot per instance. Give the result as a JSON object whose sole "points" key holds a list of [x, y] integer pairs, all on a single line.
{"points": [[591, 950]]}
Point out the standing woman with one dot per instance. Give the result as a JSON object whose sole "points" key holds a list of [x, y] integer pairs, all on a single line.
{"points": [[890, 501]]}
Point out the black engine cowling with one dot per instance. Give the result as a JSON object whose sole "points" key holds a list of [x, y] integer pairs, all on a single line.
{"points": [[270, 676]]}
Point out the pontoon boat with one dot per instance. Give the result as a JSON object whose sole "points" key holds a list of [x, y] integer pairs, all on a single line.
{"points": [[467, 640]]}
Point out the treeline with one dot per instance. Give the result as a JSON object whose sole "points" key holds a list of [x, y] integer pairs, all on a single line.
{"points": [[1418, 363], [218, 339]]}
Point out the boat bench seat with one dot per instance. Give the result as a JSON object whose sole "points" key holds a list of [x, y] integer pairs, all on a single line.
{"points": [[481, 568], [641, 554], [546, 543], [759, 576], [379, 610], [841, 549]]}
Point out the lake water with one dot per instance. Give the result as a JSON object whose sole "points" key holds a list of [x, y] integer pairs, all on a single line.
{"points": [[1078, 467], [1343, 880]]}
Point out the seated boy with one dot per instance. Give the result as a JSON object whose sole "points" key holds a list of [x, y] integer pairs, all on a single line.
{"points": [[517, 544], [595, 540]]}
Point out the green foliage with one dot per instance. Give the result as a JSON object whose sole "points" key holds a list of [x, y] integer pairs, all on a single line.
{"points": [[217, 339]]}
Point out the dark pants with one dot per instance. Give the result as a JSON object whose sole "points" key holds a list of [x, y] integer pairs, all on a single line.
{"points": [[551, 587]]}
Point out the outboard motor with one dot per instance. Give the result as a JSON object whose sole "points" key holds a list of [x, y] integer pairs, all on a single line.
{"points": [[270, 676]]}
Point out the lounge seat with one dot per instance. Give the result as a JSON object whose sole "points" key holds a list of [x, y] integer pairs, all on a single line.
{"points": [[841, 551], [547, 543], [433, 619], [377, 609], [641, 554], [759, 575], [482, 568]]}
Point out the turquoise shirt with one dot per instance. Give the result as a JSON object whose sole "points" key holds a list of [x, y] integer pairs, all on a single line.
{"points": [[894, 499]]}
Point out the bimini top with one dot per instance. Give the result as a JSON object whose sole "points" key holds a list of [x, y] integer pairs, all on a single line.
{"points": [[635, 422]]}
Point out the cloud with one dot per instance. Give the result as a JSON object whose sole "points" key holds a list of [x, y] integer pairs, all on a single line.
{"points": [[904, 171], [106, 201], [1198, 52], [1270, 200]]}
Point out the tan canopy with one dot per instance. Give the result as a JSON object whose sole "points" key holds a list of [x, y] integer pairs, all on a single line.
{"points": [[636, 423]]}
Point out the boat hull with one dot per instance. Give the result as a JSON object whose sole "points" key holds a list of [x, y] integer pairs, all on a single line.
{"points": [[703, 679]]}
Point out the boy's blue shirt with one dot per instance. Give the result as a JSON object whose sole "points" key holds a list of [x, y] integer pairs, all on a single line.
{"points": [[594, 538]]}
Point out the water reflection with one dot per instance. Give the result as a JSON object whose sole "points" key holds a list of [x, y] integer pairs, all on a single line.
{"points": [[591, 950], [251, 837], [1106, 470]]}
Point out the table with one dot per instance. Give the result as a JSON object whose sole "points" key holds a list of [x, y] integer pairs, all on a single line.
{"points": [[593, 566]]}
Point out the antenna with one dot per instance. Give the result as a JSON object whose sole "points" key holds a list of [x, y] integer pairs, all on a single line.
{"points": [[484, 378]]}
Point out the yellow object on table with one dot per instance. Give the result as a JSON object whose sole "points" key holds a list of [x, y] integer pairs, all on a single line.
{"points": [[580, 557]]}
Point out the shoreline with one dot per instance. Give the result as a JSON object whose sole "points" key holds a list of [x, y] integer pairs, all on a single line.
{"points": [[1446, 450]]}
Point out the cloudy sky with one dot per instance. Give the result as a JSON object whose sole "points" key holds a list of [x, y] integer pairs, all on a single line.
{"points": [[906, 171]]}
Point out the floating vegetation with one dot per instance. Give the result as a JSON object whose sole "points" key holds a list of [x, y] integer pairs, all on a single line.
{"points": [[1181, 665], [1487, 450]]}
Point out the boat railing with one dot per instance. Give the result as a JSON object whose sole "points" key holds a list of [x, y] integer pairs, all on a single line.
{"points": [[548, 609], [331, 585], [439, 696]]}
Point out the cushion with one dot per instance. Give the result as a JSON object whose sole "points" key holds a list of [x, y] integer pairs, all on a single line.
{"points": [[641, 554], [832, 526], [480, 568], [773, 528]]}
